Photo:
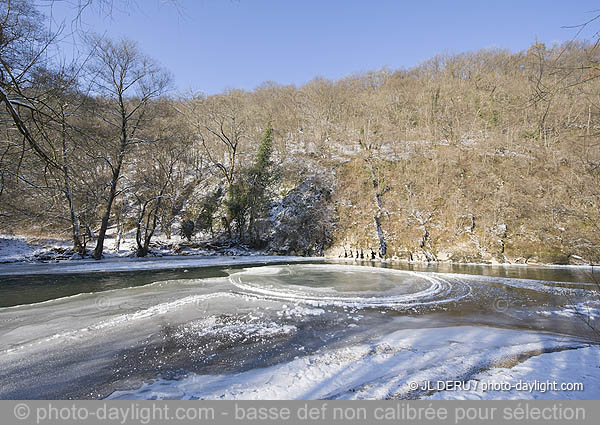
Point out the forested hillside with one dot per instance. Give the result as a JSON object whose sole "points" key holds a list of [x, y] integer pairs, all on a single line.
{"points": [[489, 156]]}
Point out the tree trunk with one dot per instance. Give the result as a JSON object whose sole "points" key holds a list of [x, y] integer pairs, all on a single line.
{"points": [[144, 248], [140, 252], [378, 211], [143, 243], [423, 245], [75, 235], [119, 238], [111, 197], [77, 245]]}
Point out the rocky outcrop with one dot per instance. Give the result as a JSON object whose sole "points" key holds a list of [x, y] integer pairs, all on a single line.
{"points": [[303, 221]]}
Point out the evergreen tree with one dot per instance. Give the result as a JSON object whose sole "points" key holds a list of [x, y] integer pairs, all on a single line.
{"points": [[260, 178], [249, 196]]}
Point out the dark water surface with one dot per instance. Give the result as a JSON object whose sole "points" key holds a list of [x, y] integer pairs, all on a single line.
{"points": [[34, 288]]}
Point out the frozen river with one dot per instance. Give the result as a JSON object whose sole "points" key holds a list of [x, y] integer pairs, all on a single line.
{"points": [[291, 330]]}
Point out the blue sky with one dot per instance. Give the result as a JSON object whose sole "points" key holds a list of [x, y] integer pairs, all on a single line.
{"points": [[212, 45]]}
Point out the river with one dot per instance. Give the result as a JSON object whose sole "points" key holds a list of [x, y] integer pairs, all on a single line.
{"points": [[324, 329]]}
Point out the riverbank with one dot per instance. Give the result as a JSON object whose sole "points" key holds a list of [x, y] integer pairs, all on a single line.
{"points": [[37, 249], [16, 249], [20, 255]]}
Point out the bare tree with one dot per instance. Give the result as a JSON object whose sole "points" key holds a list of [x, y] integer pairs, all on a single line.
{"points": [[41, 99], [23, 43], [155, 178], [127, 81], [221, 127]]}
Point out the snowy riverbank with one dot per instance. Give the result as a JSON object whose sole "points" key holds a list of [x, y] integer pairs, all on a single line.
{"points": [[20, 255], [33, 250]]}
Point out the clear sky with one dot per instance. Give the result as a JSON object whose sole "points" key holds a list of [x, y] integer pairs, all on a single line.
{"points": [[212, 45]]}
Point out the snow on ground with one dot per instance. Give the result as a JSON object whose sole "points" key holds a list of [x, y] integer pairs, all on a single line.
{"points": [[388, 366], [14, 248], [535, 378], [21, 255]]}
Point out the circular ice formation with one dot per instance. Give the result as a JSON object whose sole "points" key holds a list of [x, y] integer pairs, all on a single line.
{"points": [[351, 286]]}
